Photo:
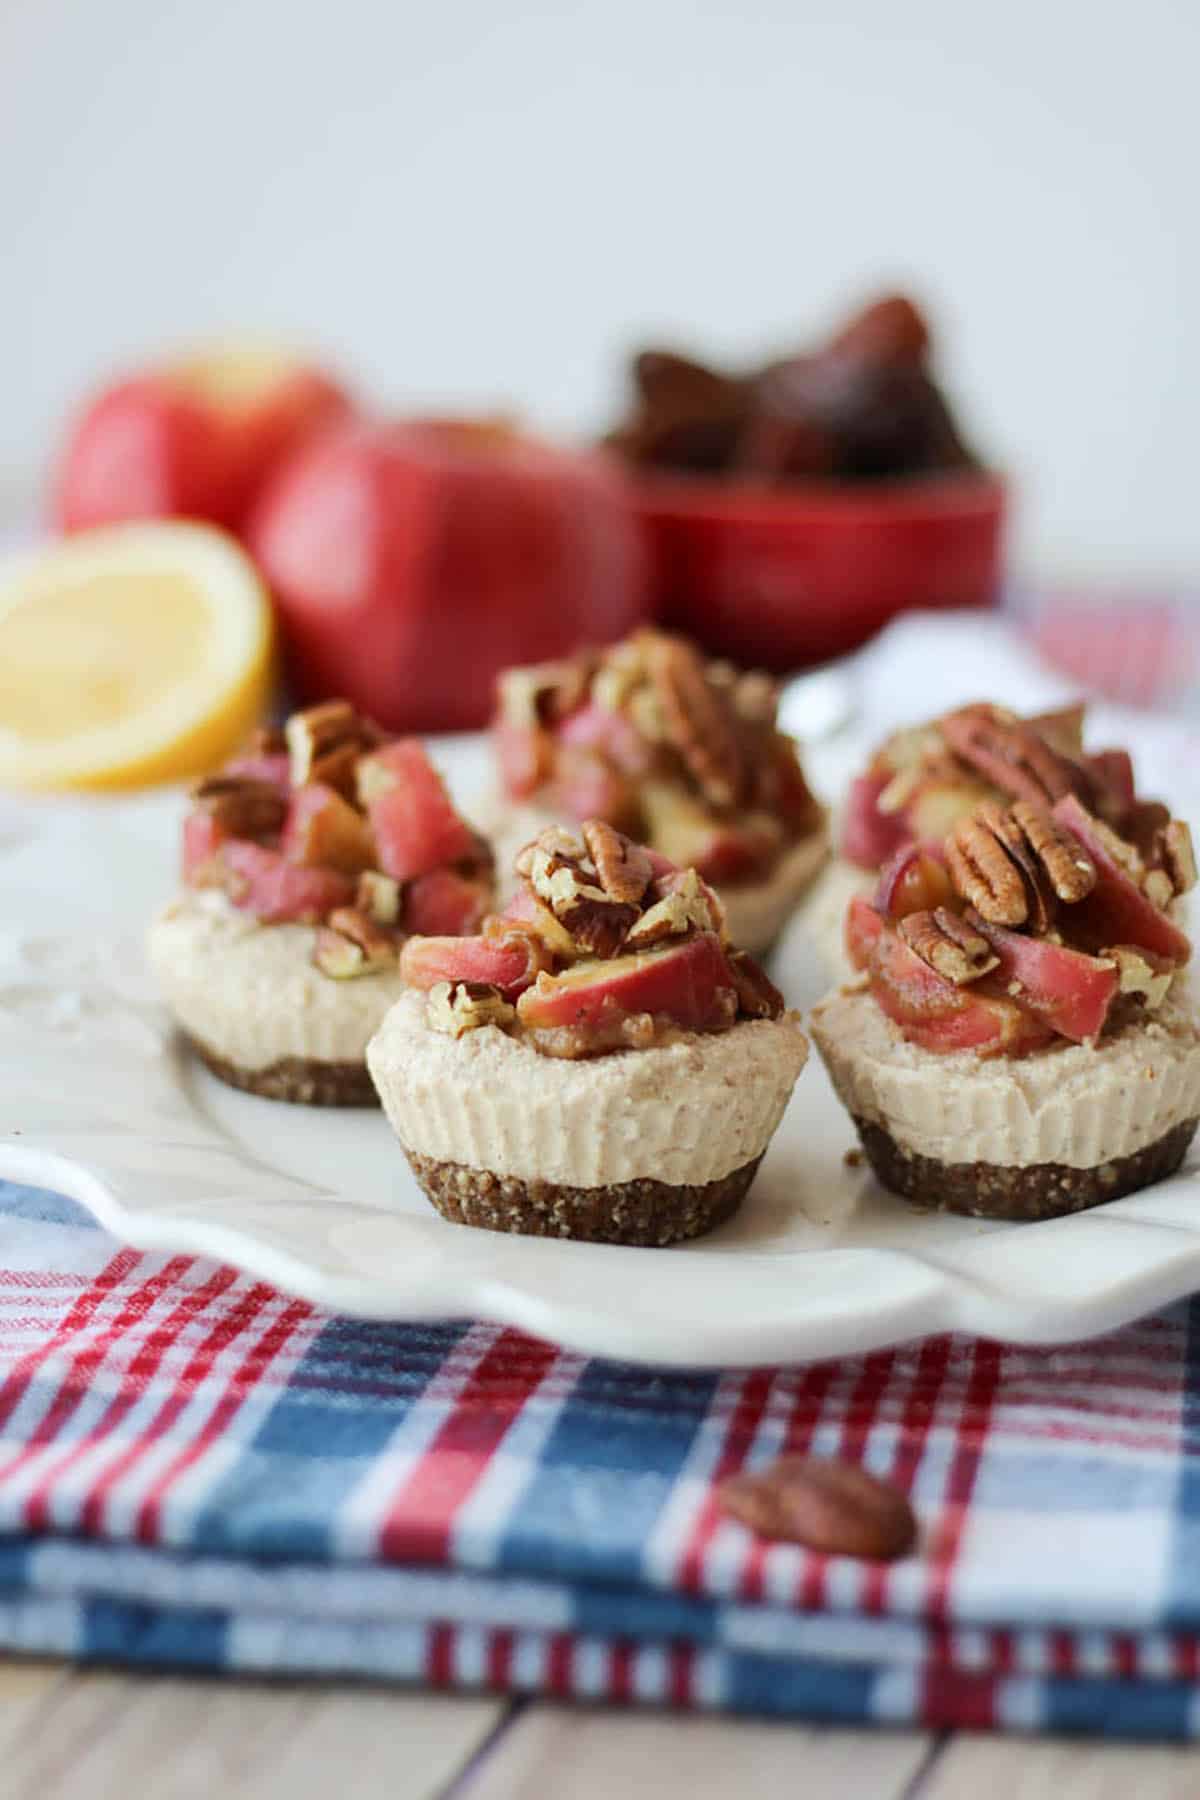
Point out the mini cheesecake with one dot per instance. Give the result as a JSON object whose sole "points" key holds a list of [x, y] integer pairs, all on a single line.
{"points": [[923, 779], [1018, 1044], [683, 754], [599, 1063], [306, 863]]}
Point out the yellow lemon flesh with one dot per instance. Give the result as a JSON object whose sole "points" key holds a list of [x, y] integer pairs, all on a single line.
{"points": [[129, 655]]}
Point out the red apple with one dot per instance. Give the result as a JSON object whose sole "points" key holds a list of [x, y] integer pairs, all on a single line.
{"points": [[1070, 991], [508, 961], [202, 840], [265, 883], [935, 1014], [196, 438], [444, 903], [1116, 911], [862, 930], [411, 562], [689, 982], [413, 818], [868, 835]]}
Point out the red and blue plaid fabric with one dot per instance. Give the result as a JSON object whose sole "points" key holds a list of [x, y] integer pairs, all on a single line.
{"points": [[197, 1470]]}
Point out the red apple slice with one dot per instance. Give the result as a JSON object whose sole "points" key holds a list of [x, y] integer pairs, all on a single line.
{"points": [[913, 879], [936, 1015], [594, 727], [509, 961], [415, 825], [202, 841], [861, 931], [524, 754], [690, 983], [324, 831], [265, 883], [445, 904], [1116, 911], [588, 787], [868, 836], [1070, 991], [528, 910]]}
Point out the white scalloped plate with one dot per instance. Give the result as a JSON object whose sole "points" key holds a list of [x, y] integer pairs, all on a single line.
{"points": [[97, 1101]]}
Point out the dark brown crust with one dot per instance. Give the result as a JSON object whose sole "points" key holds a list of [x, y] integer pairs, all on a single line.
{"points": [[298, 1079], [631, 1212], [1040, 1191]]}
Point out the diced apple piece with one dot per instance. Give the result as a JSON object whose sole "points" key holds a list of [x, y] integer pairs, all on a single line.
{"points": [[323, 831], [593, 727], [277, 891], [587, 786], [1070, 991], [936, 1015], [203, 837], [415, 825], [263, 765], [529, 910], [861, 930], [1116, 911], [683, 831], [869, 836], [525, 755], [914, 879], [445, 904], [936, 807], [690, 983], [508, 962]]}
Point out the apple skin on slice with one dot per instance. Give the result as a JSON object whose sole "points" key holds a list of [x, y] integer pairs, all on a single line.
{"points": [[936, 1015], [595, 727], [508, 962], [913, 879], [861, 931], [445, 904], [264, 882], [415, 825], [202, 840], [524, 756], [1070, 991], [869, 836], [689, 982], [1116, 911], [324, 831]]}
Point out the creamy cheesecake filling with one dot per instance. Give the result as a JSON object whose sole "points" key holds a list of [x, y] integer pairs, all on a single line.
{"points": [[250, 993], [683, 1113], [1076, 1104], [823, 915]]}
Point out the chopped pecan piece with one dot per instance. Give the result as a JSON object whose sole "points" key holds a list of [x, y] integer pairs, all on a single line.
{"points": [[1070, 869], [351, 943], [687, 906], [697, 719], [757, 995], [461, 1006], [1179, 856], [984, 873], [622, 866], [949, 945], [755, 695], [379, 897], [265, 740], [561, 874], [542, 692], [1142, 973], [241, 805], [1159, 888], [1011, 754], [325, 743]]}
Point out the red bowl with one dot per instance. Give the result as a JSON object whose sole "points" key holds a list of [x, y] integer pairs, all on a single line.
{"points": [[786, 577]]}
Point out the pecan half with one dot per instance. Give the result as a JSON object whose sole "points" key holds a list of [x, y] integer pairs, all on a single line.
{"points": [[560, 873], [461, 1006], [697, 719], [984, 873], [241, 805], [758, 997], [622, 866], [1011, 754], [834, 1507], [949, 945], [325, 743], [1071, 871]]}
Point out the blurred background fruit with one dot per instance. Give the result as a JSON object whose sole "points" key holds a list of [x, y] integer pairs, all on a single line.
{"points": [[411, 561], [195, 438], [128, 655]]}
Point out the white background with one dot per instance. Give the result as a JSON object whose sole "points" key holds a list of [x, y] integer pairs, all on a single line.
{"points": [[481, 203]]}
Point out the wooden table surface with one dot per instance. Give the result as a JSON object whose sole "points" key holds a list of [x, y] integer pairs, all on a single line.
{"points": [[67, 1735]]}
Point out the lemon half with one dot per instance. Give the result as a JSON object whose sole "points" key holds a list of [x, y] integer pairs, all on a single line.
{"points": [[129, 655]]}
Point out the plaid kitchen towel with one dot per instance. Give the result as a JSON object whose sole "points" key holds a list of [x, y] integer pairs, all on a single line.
{"points": [[197, 1470]]}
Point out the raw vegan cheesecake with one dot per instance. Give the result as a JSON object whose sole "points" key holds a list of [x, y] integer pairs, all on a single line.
{"points": [[306, 861], [1017, 1045], [598, 1063], [681, 753], [924, 778]]}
